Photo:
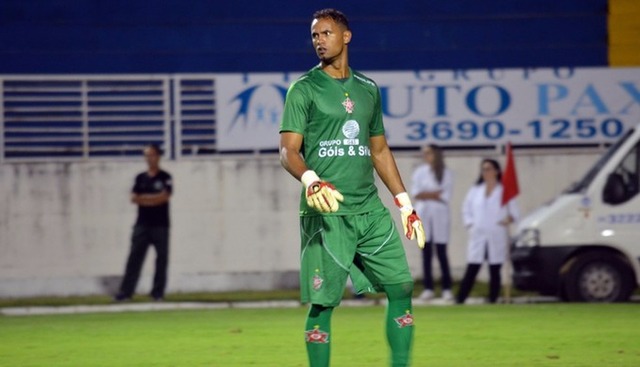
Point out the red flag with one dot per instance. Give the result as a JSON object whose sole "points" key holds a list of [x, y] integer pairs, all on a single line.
{"points": [[510, 187]]}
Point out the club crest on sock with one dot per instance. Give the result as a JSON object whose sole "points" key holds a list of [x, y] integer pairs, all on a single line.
{"points": [[404, 320], [316, 336]]}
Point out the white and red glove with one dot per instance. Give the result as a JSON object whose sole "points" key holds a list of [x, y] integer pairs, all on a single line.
{"points": [[411, 223], [321, 195]]}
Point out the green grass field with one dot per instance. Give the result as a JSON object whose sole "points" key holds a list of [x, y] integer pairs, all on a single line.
{"points": [[501, 335]]}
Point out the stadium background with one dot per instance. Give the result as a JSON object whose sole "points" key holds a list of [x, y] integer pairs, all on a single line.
{"points": [[65, 219]]}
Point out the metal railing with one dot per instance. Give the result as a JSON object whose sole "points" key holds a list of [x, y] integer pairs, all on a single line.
{"points": [[82, 117], [194, 101], [79, 117]]}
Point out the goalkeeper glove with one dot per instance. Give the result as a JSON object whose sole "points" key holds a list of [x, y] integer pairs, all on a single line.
{"points": [[321, 195], [410, 221]]}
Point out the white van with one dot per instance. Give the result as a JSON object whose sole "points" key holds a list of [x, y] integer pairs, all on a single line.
{"points": [[584, 246]]}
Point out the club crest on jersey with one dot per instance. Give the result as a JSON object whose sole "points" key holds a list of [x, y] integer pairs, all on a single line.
{"points": [[405, 320], [316, 336], [317, 282], [348, 105]]}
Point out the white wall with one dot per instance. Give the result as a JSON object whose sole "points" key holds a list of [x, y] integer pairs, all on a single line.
{"points": [[65, 227]]}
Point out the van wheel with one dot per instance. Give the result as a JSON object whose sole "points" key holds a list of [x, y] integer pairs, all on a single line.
{"points": [[598, 277]]}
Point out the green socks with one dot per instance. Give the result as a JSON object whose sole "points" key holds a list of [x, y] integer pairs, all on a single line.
{"points": [[399, 328], [318, 335], [399, 323]]}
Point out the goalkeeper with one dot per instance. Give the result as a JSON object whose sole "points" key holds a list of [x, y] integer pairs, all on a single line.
{"points": [[332, 139]]}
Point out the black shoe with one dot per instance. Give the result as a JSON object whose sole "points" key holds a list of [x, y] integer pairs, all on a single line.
{"points": [[121, 298], [157, 298]]}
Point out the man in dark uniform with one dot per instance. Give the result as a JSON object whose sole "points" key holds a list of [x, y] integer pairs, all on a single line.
{"points": [[151, 192]]}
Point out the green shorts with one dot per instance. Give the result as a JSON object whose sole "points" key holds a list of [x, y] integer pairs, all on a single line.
{"points": [[366, 247]]}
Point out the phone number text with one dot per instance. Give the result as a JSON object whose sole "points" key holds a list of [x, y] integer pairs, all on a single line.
{"points": [[537, 130]]}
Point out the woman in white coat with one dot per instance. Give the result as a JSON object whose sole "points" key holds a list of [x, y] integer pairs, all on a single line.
{"points": [[486, 220], [432, 184]]}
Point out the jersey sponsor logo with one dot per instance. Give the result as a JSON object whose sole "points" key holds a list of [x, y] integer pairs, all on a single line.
{"points": [[158, 185], [316, 336], [317, 282], [348, 105], [351, 129], [332, 151], [404, 320], [351, 143]]}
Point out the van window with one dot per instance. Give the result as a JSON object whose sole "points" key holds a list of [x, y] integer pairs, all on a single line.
{"points": [[624, 182], [584, 183]]}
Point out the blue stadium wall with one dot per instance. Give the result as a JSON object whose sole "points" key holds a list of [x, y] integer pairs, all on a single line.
{"points": [[133, 36]]}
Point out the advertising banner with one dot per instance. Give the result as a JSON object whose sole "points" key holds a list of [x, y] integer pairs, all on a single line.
{"points": [[541, 106]]}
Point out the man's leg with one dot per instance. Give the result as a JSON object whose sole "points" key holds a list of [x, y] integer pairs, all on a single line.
{"points": [[318, 335], [385, 263], [328, 249], [161, 243], [399, 322], [139, 245], [467, 282]]}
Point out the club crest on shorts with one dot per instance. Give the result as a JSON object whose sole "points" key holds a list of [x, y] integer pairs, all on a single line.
{"points": [[317, 282], [316, 336], [348, 105], [405, 320]]}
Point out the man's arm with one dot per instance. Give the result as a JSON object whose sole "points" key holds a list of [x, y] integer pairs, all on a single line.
{"points": [[151, 199], [290, 158], [321, 195], [385, 165]]}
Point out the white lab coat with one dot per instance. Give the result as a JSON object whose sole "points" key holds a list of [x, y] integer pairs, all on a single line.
{"points": [[434, 214], [481, 216]]}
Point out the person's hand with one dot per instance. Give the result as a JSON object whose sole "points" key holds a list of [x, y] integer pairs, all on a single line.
{"points": [[411, 223], [429, 195], [506, 221], [321, 195]]}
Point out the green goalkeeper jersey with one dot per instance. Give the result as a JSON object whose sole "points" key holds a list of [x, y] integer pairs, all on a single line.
{"points": [[336, 119]]}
